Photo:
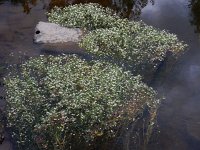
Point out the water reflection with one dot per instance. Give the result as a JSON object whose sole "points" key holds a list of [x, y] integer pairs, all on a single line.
{"points": [[26, 4], [125, 8], [2, 1], [179, 117], [195, 12]]}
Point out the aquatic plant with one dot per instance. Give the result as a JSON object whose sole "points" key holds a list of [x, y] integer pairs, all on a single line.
{"points": [[88, 16], [127, 42], [134, 44], [66, 102]]}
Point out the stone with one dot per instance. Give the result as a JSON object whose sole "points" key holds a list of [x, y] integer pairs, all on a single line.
{"points": [[46, 32]]}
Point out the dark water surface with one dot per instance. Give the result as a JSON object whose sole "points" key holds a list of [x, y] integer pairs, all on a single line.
{"points": [[179, 115]]}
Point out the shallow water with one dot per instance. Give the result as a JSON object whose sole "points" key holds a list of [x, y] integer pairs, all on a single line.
{"points": [[179, 115]]}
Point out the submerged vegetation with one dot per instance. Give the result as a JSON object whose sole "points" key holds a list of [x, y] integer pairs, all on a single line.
{"points": [[135, 44], [88, 16], [127, 42], [67, 102], [57, 102]]}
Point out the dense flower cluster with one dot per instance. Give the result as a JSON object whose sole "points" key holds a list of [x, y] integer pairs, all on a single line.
{"points": [[57, 102], [65, 102], [134, 43], [88, 16]]}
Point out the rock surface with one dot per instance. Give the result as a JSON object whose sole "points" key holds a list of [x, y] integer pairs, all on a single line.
{"points": [[46, 32]]}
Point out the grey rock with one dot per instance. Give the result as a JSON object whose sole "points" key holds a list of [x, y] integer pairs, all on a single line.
{"points": [[46, 32]]}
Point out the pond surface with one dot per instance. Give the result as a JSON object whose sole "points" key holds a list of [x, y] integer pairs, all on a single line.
{"points": [[179, 115]]}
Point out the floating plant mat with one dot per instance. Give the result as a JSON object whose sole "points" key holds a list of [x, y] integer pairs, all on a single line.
{"points": [[59, 101], [135, 44]]}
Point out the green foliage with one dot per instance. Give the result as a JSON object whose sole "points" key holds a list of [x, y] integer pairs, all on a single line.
{"points": [[133, 43], [88, 16], [59, 103]]}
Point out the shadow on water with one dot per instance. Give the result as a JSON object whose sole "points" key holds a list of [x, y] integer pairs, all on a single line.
{"points": [[195, 14], [179, 118], [125, 8]]}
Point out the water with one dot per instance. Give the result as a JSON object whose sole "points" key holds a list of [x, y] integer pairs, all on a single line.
{"points": [[179, 118]]}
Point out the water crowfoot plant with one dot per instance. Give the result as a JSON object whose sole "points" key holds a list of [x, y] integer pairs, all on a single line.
{"points": [[60, 103], [87, 16], [64, 102], [134, 44]]}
